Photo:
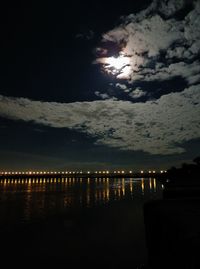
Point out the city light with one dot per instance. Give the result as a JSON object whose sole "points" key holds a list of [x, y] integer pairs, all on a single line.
{"points": [[62, 173]]}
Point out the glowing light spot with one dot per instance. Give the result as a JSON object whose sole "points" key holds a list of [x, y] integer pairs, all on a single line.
{"points": [[117, 66], [117, 63]]}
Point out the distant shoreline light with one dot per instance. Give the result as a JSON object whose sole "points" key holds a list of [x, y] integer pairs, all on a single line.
{"points": [[80, 172]]}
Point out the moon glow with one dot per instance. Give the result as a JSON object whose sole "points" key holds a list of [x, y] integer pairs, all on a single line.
{"points": [[116, 66]]}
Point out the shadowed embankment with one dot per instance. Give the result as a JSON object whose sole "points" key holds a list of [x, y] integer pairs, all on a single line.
{"points": [[173, 224]]}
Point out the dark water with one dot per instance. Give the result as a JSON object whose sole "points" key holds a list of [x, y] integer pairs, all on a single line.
{"points": [[97, 222]]}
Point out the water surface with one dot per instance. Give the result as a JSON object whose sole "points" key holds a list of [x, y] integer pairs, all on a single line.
{"points": [[78, 219]]}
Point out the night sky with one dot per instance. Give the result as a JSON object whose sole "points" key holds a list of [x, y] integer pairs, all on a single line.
{"points": [[99, 84]]}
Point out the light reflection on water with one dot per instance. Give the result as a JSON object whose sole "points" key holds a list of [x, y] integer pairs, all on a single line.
{"points": [[26, 199]]}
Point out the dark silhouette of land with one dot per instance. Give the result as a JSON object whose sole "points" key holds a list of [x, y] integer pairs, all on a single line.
{"points": [[187, 174], [173, 223]]}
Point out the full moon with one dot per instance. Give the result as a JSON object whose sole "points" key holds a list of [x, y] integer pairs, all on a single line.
{"points": [[117, 63], [117, 66]]}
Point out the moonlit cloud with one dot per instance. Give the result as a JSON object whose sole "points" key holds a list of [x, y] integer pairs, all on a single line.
{"points": [[102, 95], [160, 46], [122, 86], [157, 47], [137, 93], [182, 69], [156, 127]]}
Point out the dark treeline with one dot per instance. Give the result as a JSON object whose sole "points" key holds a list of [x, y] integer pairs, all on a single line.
{"points": [[186, 171]]}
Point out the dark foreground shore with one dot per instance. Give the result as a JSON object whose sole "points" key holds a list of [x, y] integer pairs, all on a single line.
{"points": [[173, 227]]}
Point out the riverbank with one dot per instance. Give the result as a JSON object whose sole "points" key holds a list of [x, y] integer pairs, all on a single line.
{"points": [[172, 224]]}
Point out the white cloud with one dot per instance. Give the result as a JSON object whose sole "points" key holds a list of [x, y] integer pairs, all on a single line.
{"points": [[137, 93], [121, 86], [186, 71], [153, 34], [102, 95], [156, 127], [159, 48]]}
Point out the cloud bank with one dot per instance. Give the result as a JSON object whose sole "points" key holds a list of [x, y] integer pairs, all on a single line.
{"points": [[156, 127], [162, 42]]}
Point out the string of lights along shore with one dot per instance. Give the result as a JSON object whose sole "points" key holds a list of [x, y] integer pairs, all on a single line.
{"points": [[81, 173]]}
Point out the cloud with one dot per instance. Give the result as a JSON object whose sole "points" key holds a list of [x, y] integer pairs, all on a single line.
{"points": [[102, 95], [156, 127], [180, 69], [171, 7], [121, 86], [137, 93], [159, 44]]}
